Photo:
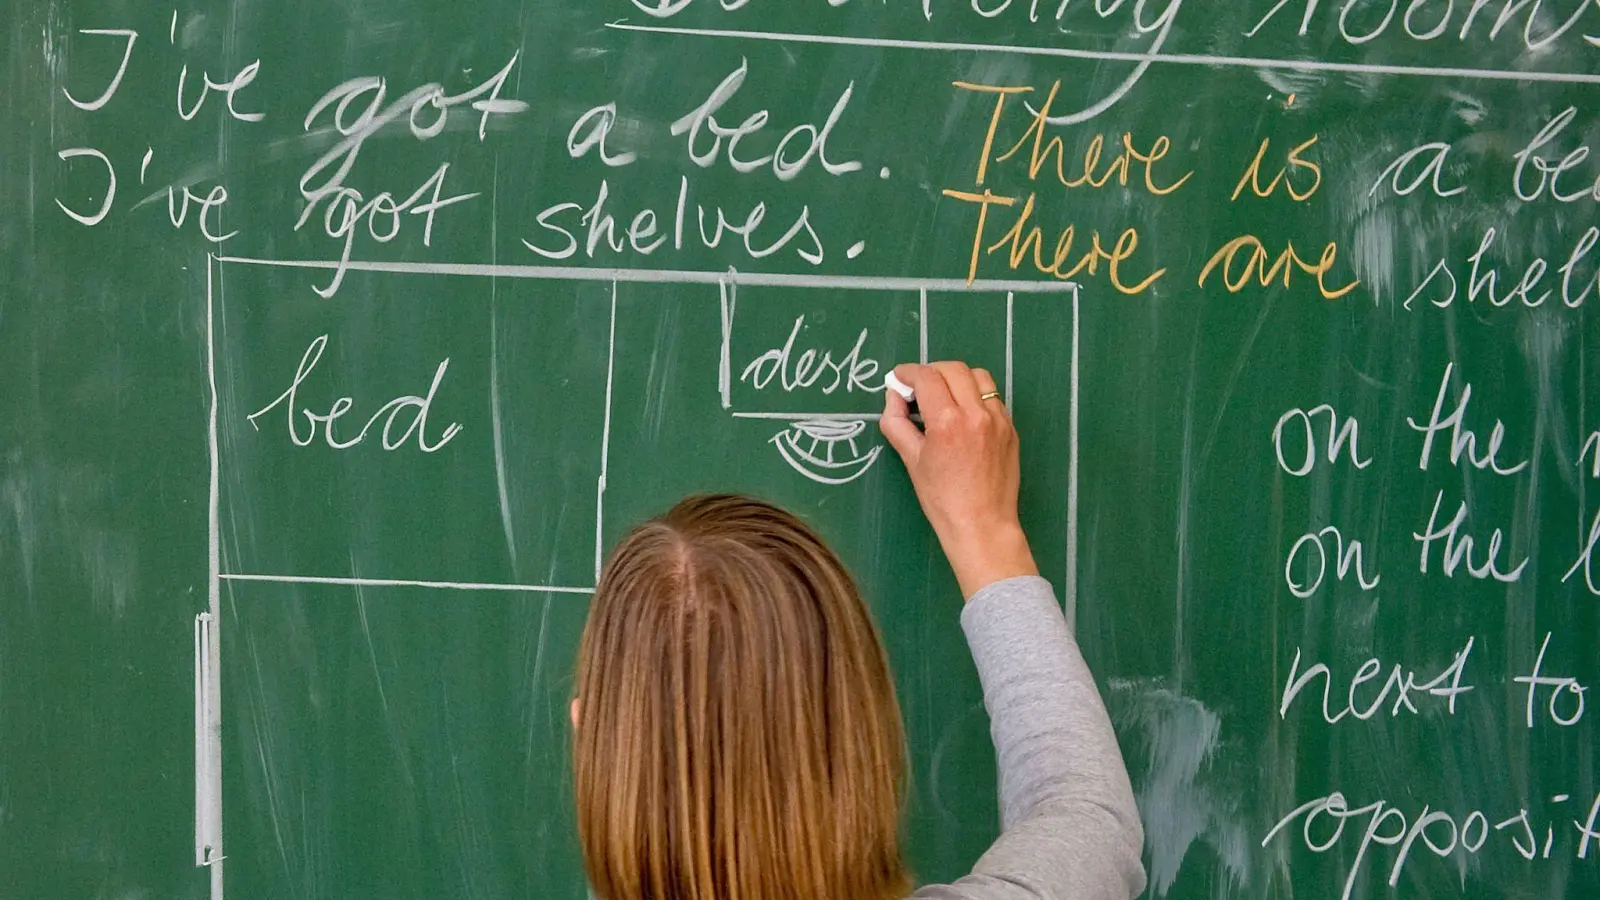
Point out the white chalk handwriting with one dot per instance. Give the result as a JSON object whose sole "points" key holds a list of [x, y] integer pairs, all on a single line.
{"points": [[851, 372], [393, 412]]}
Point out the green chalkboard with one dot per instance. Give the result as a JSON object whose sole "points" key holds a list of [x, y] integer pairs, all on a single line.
{"points": [[339, 340]]}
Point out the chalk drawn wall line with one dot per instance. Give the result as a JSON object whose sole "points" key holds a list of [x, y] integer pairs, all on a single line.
{"points": [[922, 327], [673, 276], [208, 652], [1069, 591], [605, 442], [1185, 59], [1011, 302], [805, 416], [402, 582]]}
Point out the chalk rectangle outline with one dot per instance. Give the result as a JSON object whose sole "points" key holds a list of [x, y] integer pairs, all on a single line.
{"points": [[207, 644]]}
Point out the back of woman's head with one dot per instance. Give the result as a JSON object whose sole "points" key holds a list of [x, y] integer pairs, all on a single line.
{"points": [[737, 731]]}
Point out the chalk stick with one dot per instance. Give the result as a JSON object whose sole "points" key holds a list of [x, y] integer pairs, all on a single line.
{"points": [[899, 387]]}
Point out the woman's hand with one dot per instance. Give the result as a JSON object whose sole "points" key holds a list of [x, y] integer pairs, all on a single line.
{"points": [[964, 468]]}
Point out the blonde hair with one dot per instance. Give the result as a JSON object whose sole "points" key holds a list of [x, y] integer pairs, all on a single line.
{"points": [[738, 736]]}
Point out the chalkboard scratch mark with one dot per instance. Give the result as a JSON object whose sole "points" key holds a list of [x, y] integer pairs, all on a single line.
{"points": [[1470, 109], [1185, 502], [1295, 84], [1367, 378], [383, 696], [534, 729], [1267, 307], [1372, 253], [522, 41], [188, 180], [1583, 423], [496, 428], [16, 494], [936, 763], [1187, 59], [1182, 799], [264, 759], [663, 363], [467, 834], [1546, 347]]}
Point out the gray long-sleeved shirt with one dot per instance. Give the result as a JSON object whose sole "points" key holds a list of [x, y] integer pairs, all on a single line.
{"points": [[1069, 827]]}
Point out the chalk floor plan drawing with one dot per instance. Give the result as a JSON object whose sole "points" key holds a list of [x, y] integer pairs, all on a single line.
{"points": [[830, 447]]}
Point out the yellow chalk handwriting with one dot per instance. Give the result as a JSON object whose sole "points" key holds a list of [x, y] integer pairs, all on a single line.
{"points": [[1255, 264], [1025, 240], [1118, 167], [1252, 175], [994, 121]]}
